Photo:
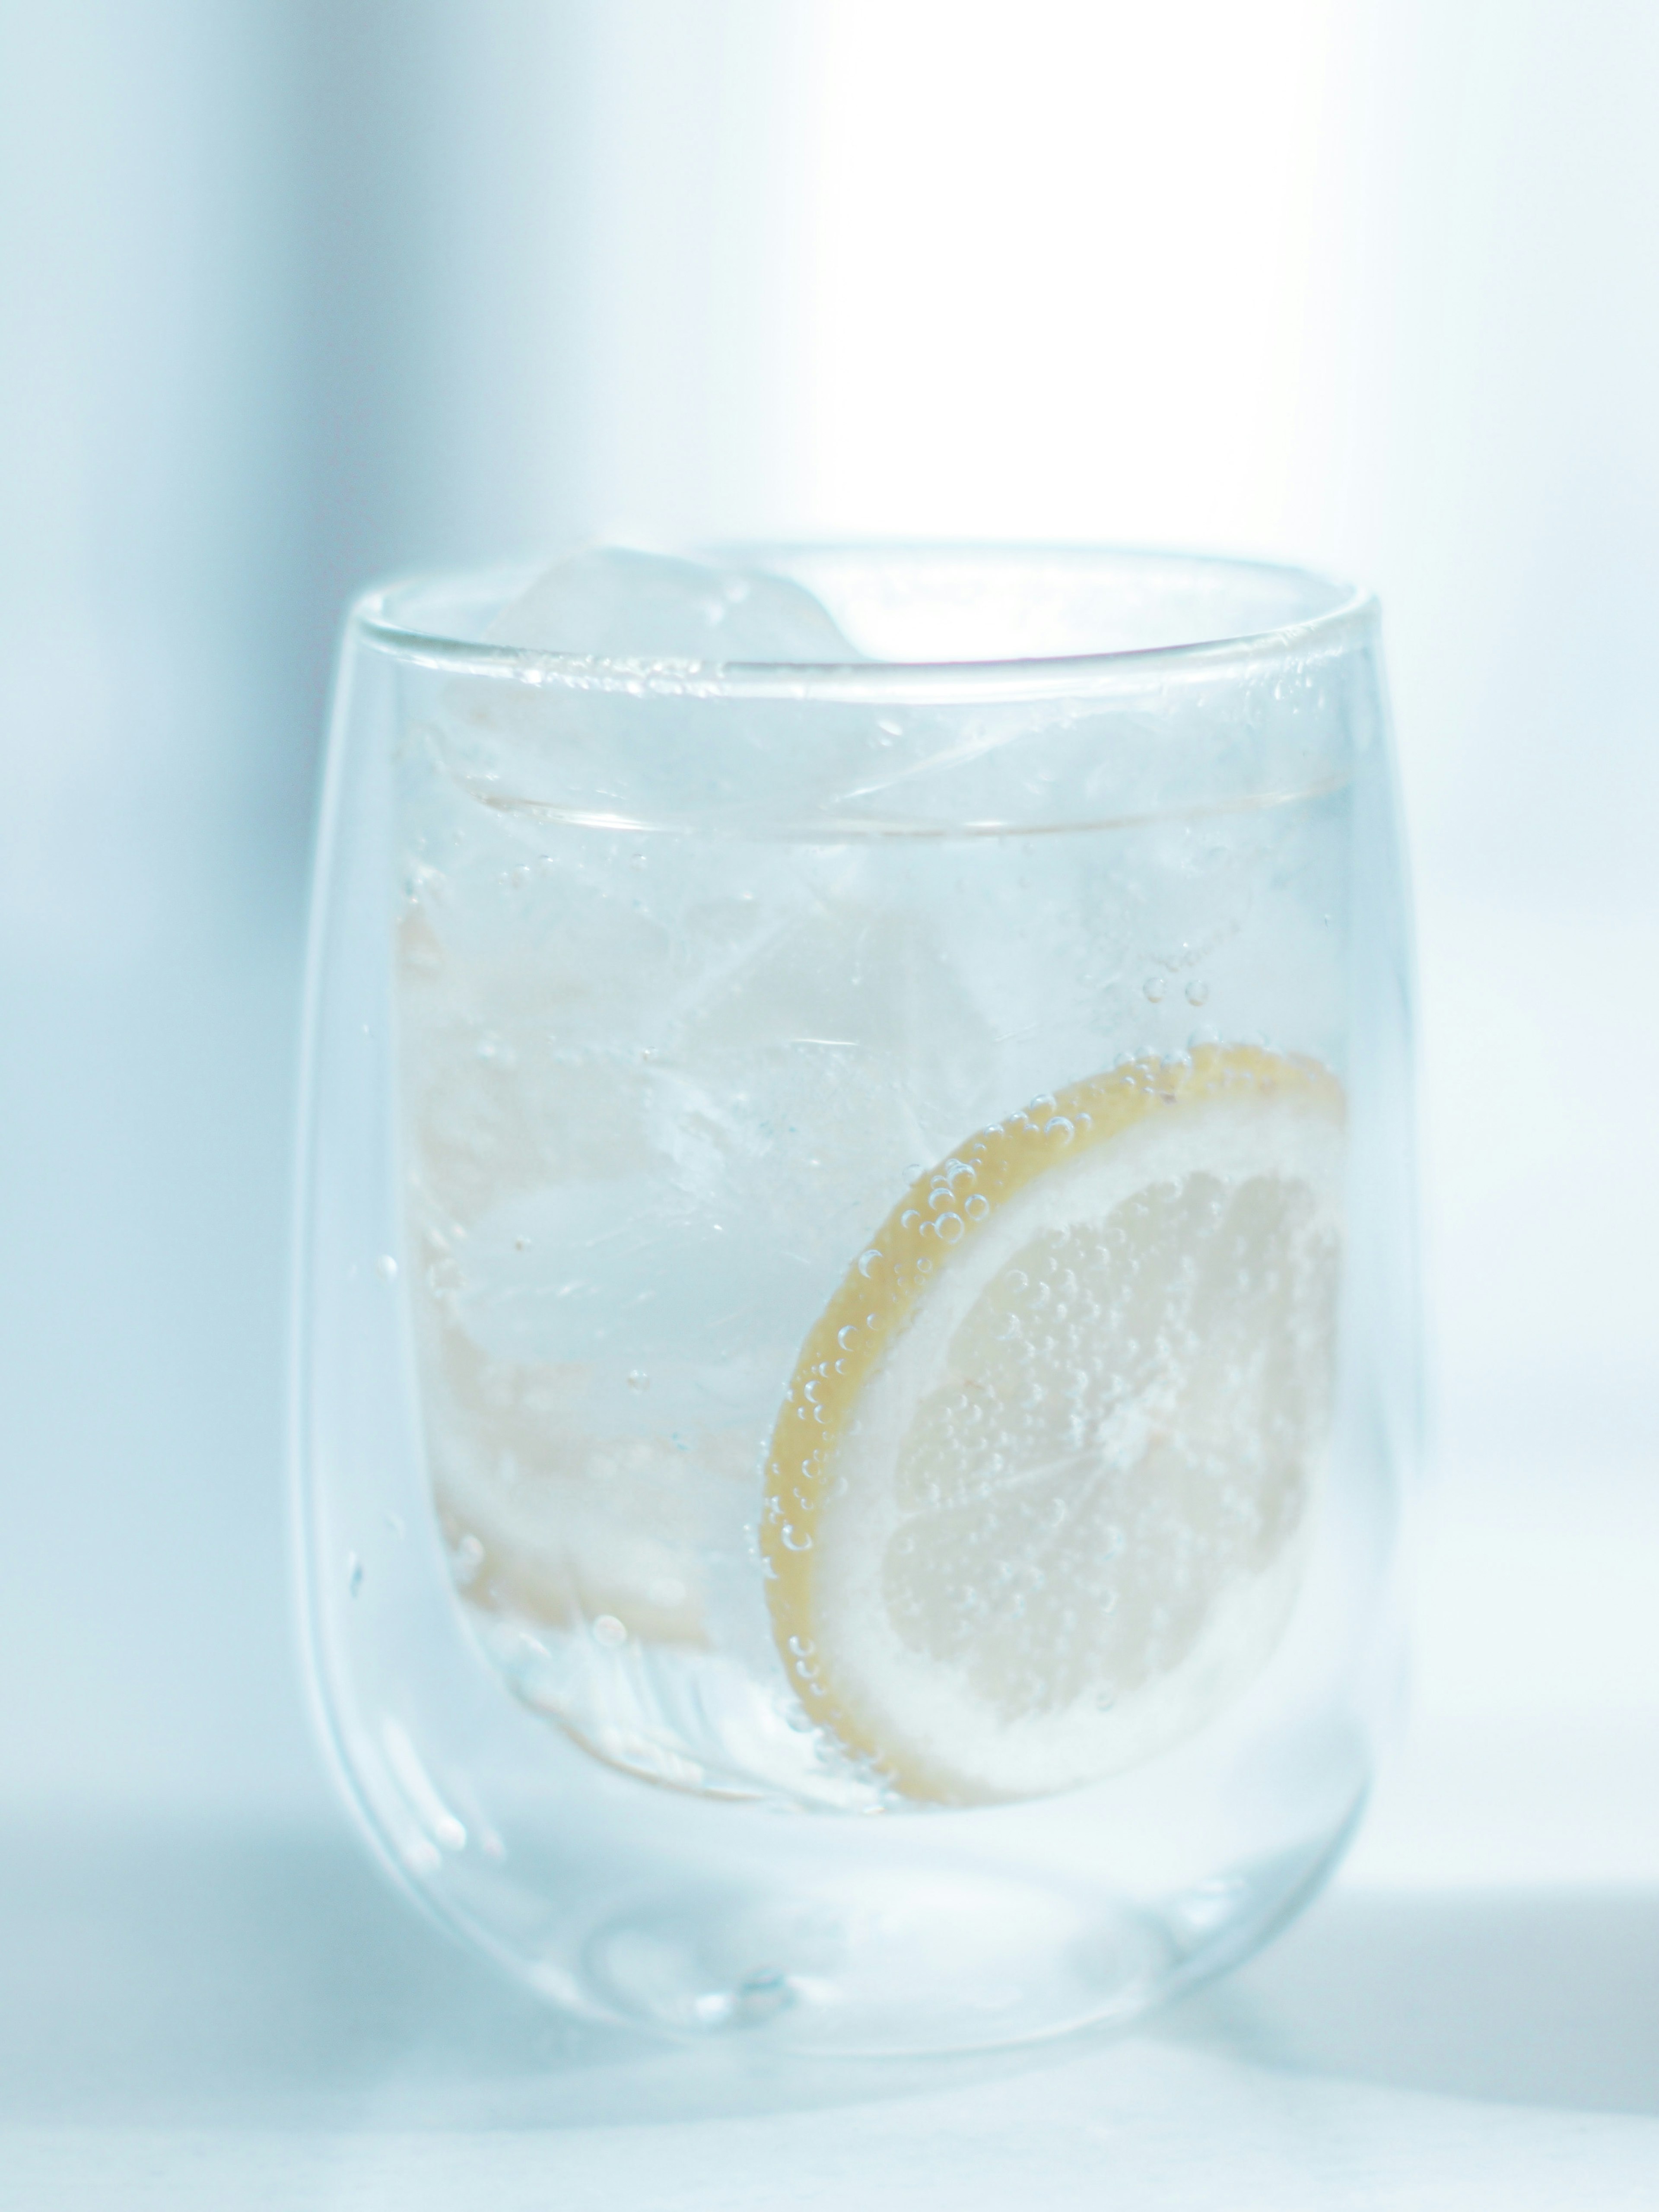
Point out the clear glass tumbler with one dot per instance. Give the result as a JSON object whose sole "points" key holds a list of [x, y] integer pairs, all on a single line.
{"points": [[856, 1344]]}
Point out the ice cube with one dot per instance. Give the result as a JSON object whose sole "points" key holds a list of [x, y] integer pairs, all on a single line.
{"points": [[609, 602]]}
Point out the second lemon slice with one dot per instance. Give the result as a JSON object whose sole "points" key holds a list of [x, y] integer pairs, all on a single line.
{"points": [[1039, 1493]]}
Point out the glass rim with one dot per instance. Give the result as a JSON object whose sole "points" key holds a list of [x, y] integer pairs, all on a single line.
{"points": [[1123, 671]]}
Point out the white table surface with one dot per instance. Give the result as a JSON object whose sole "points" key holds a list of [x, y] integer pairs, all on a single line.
{"points": [[203, 2010], [246, 2016], [256, 2021]]}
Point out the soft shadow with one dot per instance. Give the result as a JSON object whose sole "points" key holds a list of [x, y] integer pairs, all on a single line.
{"points": [[1537, 1997], [178, 1979]]}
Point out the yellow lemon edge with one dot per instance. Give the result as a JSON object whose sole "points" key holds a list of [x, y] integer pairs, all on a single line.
{"points": [[884, 1287]]}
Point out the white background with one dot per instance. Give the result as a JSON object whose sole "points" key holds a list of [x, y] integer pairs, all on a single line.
{"points": [[298, 291]]}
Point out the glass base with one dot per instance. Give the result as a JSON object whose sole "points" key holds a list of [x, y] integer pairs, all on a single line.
{"points": [[947, 1961]]}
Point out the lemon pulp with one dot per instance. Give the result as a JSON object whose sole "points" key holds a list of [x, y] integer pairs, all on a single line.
{"points": [[1039, 1493]]}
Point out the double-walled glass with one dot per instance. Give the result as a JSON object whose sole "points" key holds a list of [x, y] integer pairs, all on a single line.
{"points": [[855, 1335]]}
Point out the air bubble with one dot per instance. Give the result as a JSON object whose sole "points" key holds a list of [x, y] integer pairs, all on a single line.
{"points": [[950, 1227], [608, 1632], [844, 1337], [869, 1261], [1197, 990], [795, 1540], [978, 1207], [386, 1268], [1155, 986], [638, 1379]]}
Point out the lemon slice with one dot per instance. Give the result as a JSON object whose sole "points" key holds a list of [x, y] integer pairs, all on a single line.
{"points": [[1039, 1491]]}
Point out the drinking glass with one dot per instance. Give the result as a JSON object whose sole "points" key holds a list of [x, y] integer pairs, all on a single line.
{"points": [[855, 1343]]}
